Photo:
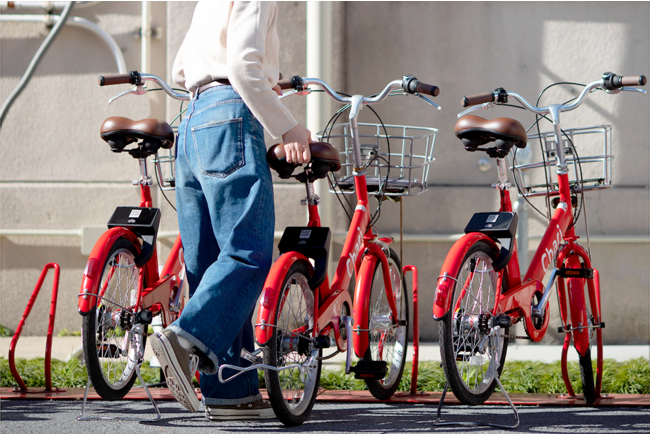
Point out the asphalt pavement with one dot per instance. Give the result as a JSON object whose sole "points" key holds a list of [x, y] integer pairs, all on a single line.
{"points": [[31, 416]]}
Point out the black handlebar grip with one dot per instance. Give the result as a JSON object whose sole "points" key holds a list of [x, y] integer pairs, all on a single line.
{"points": [[285, 84], [427, 89], [132, 77], [481, 98], [108, 80]]}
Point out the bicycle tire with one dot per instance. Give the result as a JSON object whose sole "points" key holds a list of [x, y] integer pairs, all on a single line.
{"points": [[292, 397], [462, 339], [587, 377], [109, 349], [380, 346]]}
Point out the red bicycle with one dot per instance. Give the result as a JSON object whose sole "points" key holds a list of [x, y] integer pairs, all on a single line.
{"points": [[480, 291], [300, 312], [122, 288]]}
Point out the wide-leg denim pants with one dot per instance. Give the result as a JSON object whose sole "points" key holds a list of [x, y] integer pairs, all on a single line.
{"points": [[224, 196]]}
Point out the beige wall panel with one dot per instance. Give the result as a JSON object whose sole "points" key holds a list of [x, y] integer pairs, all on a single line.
{"points": [[22, 259]]}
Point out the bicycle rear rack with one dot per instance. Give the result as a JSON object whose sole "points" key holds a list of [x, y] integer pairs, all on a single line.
{"points": [[22, 388]]}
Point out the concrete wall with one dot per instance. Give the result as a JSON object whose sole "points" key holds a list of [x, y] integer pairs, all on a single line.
{"points": [[58, 174]]}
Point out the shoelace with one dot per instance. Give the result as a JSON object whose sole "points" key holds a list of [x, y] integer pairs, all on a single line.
{"points": [[194, 363]]}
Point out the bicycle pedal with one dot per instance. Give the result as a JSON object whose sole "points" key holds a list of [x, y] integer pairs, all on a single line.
{"points": [[369, 370], [253, 357]]}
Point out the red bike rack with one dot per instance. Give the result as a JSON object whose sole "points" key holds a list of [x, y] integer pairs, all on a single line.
{"points": [[416, 335], [48, 346]]}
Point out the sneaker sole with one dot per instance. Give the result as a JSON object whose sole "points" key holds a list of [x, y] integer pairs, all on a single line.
{"points": [[163, 350], [243, 415]]}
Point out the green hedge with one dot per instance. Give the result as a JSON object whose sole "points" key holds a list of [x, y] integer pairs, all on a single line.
{"points": [[631, 377]]}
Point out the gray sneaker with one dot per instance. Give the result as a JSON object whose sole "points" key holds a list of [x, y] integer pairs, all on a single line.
{"points": [[254, 410], [178, 365]]}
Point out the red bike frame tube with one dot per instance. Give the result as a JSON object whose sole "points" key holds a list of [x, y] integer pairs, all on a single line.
{"points": [[444, 290], [362, 292], [50, 327], [513, 268], [354, 242], [175, 260]]}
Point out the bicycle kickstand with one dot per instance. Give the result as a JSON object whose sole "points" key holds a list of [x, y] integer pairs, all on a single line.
{"points": [[140, 356], [438, 421]]}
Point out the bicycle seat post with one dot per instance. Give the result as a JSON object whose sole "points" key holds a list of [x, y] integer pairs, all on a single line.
{"points": [[145, 179]]}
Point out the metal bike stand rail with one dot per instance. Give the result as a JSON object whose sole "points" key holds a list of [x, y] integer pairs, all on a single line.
{"points": [[416, 337], [438, 421], [22, 388]]}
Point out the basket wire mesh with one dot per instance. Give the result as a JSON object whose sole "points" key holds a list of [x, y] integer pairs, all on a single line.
{"points": [[164, 166], [588, 155], [406, 163]]}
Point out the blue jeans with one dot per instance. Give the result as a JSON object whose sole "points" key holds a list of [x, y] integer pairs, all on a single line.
{"points": [[224, 196]]}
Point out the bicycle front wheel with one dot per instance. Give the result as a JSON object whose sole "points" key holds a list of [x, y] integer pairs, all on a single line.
{"points": [[387, 339], [466, 348], [586, 368], [111, 342], [292, 391]]}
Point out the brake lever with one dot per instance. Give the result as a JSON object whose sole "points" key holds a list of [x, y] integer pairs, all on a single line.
{"points": [[427, 100], [306, 91], [486, 105], [138, 90], [633, 89]]}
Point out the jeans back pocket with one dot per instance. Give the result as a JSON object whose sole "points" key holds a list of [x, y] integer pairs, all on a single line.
{"points": [[219, 147]]}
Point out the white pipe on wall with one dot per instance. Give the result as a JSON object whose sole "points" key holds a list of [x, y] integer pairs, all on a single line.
{"points": [[75, 22], [145, 42], [319, 65], [44, 5]]}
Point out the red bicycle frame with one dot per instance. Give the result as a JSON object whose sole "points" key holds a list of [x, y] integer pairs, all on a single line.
{"points": [[361, 251], [155, 297]]}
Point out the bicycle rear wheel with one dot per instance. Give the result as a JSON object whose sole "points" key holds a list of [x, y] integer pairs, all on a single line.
{"points": [[387, 342], [292, 392], [111, 343], [466, 347]]}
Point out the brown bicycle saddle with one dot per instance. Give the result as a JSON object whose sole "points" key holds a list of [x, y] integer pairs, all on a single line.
{"points": [[118, 131], [474, 131], [324, 158]]}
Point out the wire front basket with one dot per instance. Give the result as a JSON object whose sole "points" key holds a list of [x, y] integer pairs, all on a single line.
{"points": [[588, 155], [396, 159]]}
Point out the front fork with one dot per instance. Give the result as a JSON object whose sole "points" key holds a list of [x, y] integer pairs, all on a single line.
{"points": [[572, 301]]}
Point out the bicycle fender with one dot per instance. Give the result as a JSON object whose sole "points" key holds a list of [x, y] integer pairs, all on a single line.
{"points": [[444, 289], [360, 314], [93, 271], [271, 292]]}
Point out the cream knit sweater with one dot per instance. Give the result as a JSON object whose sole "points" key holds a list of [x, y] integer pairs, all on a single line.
{"points": [[238, 41]]}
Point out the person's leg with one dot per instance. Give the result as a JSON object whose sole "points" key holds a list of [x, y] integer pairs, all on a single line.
{"points": [[225, 149]]}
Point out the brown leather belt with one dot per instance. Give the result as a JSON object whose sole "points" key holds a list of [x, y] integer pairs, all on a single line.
{"points": [[217, 82]]}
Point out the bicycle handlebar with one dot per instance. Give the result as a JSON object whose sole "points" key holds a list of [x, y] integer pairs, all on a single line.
{"points": [[409, 84], [138, 79], [608, 82]]}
